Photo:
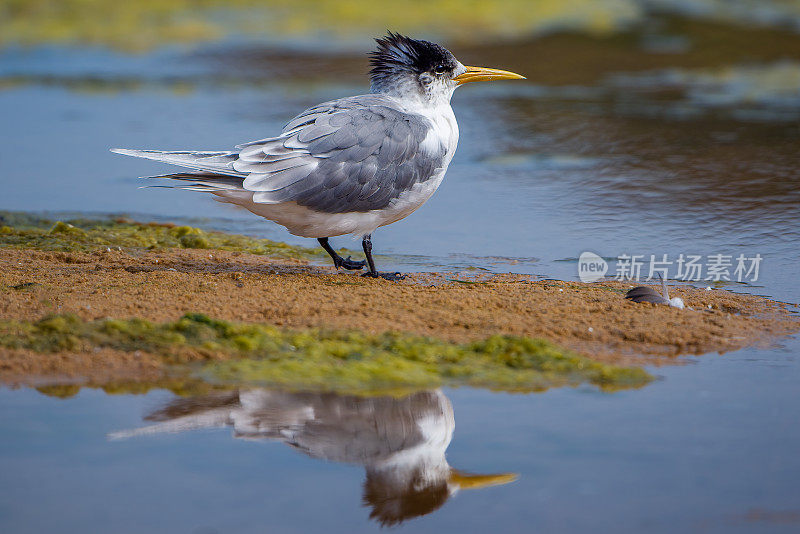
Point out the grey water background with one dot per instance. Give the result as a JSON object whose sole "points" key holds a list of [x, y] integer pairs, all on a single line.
{"points": [[683, 159]]}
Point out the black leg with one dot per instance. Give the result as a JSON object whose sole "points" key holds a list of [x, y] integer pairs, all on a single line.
{"points": [[366, 243], [338, 261], [373, 273]]}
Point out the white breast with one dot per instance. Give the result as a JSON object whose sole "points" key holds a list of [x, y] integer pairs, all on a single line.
{"points": [[444, 133]]}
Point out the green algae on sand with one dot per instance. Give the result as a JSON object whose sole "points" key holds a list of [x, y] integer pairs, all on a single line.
{"points": [[21, 230], [138, 25], [225, 353]]}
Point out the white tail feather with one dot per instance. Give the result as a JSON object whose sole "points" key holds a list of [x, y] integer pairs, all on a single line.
{"points": [[211, 161]]}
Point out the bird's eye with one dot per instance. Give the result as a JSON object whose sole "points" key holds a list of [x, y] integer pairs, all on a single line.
{"points": [[441, 69]]}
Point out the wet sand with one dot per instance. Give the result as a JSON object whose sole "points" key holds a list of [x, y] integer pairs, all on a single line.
{"points": [[594, 320]]}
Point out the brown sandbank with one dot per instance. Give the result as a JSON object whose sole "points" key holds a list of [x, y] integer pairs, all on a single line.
{"points": [[593, 320]]}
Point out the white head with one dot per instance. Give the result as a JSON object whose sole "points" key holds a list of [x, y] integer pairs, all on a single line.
{"points": [[419, 70]]}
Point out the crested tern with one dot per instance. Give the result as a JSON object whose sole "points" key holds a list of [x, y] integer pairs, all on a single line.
{"points": [[352, 165]]}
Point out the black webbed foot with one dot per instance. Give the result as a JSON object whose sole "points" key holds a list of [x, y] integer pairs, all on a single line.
{"points": [[373, 272], [349, 264], [338, 261]]}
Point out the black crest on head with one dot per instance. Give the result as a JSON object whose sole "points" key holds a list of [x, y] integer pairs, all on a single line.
{"points": [[398, 54]]}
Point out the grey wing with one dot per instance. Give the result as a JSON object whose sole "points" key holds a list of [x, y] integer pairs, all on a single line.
{"points": [[351, 155]]}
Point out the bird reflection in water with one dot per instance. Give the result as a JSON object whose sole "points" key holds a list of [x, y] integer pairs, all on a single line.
{"points": [[401, 442]]}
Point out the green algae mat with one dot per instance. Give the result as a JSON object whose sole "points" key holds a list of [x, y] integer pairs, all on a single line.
{"points": [[224, 353], [21, 230]]}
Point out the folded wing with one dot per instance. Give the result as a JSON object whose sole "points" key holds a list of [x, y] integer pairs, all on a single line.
{"points": [[355, 154]]}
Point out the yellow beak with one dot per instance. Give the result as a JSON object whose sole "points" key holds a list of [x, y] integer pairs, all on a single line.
{"points": [[483, 74], [468, 481]]}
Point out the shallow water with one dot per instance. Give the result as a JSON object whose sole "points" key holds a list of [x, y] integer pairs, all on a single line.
{"points": [[709, 448], [686, 150]]}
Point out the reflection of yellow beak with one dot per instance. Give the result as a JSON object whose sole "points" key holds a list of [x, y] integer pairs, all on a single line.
{"points": [[467, 481], [483, 74]]}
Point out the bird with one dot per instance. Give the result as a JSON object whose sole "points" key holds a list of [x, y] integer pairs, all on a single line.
{"points": [[347, 166], [400, 441], [648, 294]]}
